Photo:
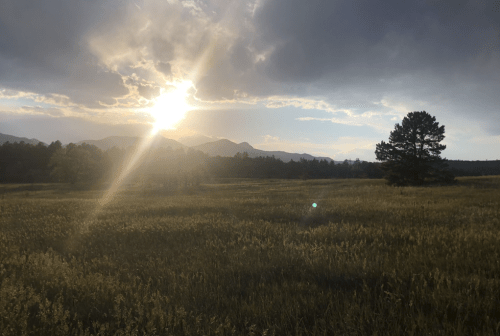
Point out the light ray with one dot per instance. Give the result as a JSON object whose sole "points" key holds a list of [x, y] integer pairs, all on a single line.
{"points": [[200, 67], [128, 167], [204, 63]]}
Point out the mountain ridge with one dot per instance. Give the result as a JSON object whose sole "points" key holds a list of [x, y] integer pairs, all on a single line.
{"points": [[230, 148], [221, 147], [226, 147], [124, 142], [12, 139], [195, 140]]}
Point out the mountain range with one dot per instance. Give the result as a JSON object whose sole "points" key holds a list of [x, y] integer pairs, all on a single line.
{"points": [[225, 147], [10, 138], [126, 141], [195, 140], [222, 147]]}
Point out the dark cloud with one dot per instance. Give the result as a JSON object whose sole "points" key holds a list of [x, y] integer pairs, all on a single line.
{"points": [[35, 33], [43, 49], [162, 49], [331, 48], [148, 91], [241, 57], [316, 38], [445, 53], [351, 53], [164, 68]]}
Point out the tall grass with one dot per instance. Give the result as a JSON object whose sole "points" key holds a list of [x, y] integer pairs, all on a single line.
{"points": [[252, 257]]}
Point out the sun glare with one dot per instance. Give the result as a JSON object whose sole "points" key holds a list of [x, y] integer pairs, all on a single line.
{"points": [[171, 107]]}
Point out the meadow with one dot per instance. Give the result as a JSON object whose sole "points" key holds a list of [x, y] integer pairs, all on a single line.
{"points": [[252, 257]]}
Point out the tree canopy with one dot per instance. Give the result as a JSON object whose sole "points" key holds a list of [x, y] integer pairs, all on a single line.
{"points": [[412, 155], [83, 164]]}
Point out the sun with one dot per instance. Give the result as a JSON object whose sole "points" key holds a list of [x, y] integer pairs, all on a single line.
{"points": [[171, 107]]}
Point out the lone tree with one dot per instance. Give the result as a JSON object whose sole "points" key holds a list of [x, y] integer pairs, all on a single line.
{"points": [[411, 157]]}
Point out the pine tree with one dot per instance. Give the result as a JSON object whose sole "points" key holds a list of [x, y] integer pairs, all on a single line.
{"points": [[412, 155]]}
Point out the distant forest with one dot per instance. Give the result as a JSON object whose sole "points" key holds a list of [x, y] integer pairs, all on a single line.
{"points": [[87, 165], [474, 168]]}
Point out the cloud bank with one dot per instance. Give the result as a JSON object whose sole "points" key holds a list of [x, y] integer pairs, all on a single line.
{"points": [[365, 62]]}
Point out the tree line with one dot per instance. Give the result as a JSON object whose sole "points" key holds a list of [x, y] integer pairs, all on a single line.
{"points": [[84, 164], [88, 165], [269, 167], [26, 163], [474, 168]]}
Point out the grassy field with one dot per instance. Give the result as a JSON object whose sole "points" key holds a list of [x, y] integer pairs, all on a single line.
{"points": [[252, 257]]}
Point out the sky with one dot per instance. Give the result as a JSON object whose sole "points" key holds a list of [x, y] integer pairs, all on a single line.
{"points": [[324, 77]]}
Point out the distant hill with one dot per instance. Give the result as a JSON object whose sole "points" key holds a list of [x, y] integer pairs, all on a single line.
{"points": [[196, 140], [10, 138], [225, 147], [125, 142]]}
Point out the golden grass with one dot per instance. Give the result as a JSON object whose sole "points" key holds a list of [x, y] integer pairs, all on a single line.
{"points": [[252, 257]]}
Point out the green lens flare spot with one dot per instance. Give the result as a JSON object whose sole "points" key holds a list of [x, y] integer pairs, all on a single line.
{"points": [[314, 205]]}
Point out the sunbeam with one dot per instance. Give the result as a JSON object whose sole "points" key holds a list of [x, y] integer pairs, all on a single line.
{"points": [[128, 167], [169, 110]]}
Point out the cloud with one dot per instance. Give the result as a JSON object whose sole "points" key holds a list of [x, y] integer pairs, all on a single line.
{"points": [[371, 38], [356, 115], [334, 120], [148, 91], [376, 120], [270, 138], [364, 61], [164, 67], [359, 52], [305, 103], [346, 144], [340, 149], [45, 51], [54, 112], [54, 99]]}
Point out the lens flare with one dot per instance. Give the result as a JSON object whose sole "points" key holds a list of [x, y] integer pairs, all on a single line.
{"points": [[314, 205]]}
